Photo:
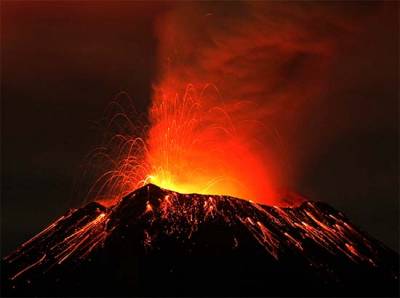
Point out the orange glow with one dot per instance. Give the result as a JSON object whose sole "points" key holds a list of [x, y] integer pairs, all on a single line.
{"points": [[191, 146], [231, 108], [194, 147]]}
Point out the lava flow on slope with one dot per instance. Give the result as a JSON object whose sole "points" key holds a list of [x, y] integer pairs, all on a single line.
{"points": [[160, 242]]}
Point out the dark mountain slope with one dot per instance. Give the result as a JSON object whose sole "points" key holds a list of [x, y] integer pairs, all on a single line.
{"points": [[159, 242]]}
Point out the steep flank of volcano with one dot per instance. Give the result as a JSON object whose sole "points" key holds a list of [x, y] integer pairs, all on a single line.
{"points": [[159, 242]]}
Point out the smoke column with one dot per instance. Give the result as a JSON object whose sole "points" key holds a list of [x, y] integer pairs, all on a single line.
{"points": [[248, 95], [267, 64]]}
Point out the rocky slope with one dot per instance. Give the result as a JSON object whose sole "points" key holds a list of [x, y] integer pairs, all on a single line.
{"points": [[159, 242]]}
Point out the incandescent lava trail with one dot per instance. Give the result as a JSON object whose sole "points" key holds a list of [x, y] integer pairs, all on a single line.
{"points": [[156, 241]]}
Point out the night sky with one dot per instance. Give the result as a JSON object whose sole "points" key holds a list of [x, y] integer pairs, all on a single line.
{"points": [[62, 63]]}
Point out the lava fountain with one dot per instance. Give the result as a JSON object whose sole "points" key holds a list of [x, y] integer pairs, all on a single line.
{"points": [[191, 146], [231, 107], [194, 147]]}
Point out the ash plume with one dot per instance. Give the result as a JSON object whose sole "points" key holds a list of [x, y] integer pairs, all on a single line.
{"points": [[288, 74]]}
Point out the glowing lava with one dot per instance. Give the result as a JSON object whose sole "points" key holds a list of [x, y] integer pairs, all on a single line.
{"points": [[312, 232], [193, 147]]}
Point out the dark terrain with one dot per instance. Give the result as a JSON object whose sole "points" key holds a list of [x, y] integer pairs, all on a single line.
{"points": [[159, 242]]}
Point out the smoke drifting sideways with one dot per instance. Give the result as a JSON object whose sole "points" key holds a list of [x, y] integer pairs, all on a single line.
{"points": [[247, 93], [277, 68]]}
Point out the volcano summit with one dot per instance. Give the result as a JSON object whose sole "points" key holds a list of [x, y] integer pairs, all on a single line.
{"points": [[159, 242]]}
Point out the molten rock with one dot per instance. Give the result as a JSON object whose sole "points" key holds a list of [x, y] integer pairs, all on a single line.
{"points": [[158, 242]]}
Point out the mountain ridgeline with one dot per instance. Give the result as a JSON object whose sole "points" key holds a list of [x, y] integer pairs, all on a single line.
{"points": [[159, 242]]}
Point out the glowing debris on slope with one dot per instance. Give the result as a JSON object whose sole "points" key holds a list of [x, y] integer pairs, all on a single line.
{"points": [[164, 213]]}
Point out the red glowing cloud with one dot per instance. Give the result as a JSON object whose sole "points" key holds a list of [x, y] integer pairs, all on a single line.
{"points": [[265, 71], [242, 101], [272, 64]]}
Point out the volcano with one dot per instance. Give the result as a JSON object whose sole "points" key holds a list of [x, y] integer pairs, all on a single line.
{"points": [[160, 242]]}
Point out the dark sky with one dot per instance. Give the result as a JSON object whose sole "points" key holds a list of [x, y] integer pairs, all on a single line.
{"points": [[61, 64]]}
